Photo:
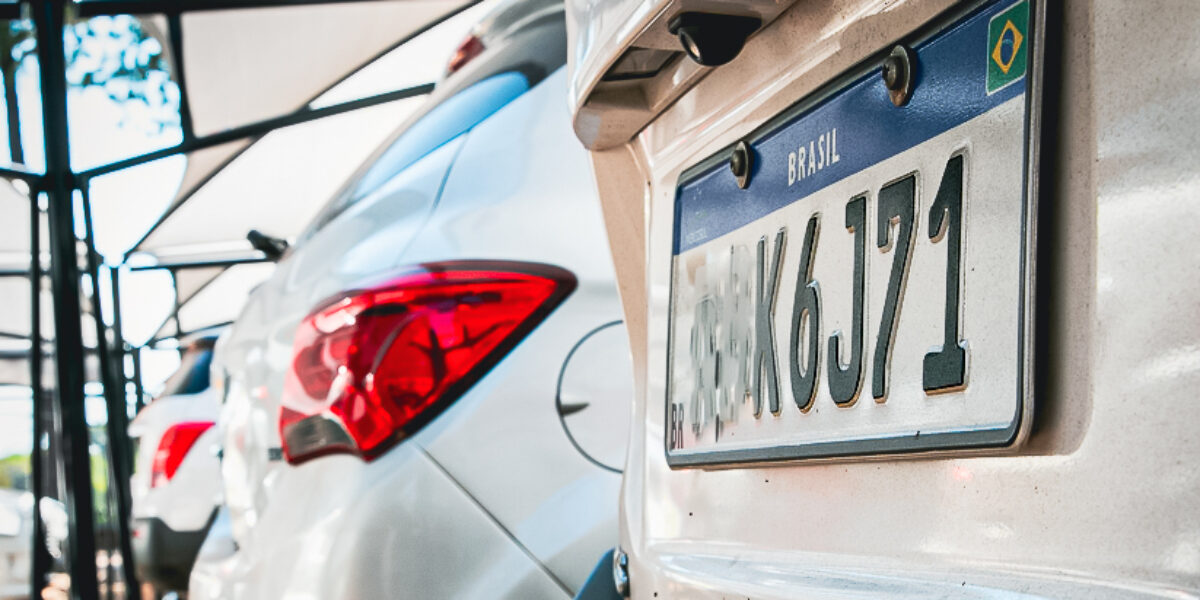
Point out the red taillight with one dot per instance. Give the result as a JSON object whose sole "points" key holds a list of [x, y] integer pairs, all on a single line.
{"points": [[373, 365], [173, 447], [467, 50]]}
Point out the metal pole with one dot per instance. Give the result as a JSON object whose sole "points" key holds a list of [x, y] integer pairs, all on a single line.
{"points": [[40, 556], [48, 21], [114, 396], [111, 546], [114, 277], [175, 308], [139, 391], [175, 37]]}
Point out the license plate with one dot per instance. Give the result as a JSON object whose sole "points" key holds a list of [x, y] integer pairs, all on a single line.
{"points": [[867, 291]]}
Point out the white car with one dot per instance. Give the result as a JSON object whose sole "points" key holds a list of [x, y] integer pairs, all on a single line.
{"points": [[429, 397], [176, 482], [911, 288]]}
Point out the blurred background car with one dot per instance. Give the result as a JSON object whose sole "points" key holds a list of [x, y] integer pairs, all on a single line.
{"points": [[176, 481], [430, 395], [16, 520], [16, 536]]}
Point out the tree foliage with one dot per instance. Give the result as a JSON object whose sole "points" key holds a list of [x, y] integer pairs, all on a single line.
{"points": [[119, 55], [14, 472]]}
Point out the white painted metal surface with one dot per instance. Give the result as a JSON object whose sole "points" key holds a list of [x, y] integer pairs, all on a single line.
{"points": [[1100, 502]]}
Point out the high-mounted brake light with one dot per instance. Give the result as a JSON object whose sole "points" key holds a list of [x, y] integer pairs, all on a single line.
{"points": [[372, 366], [466, 51], [174, 445]]}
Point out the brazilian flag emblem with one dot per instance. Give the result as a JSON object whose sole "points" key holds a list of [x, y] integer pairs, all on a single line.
{"points": [[1007, 46]]}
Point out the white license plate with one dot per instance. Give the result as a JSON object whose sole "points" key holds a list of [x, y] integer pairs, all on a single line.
{"points": [[867, 291]]}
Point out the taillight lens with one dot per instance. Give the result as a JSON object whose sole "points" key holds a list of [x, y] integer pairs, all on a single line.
{"points": [[466, 51], [373, 365], [173, 447]]}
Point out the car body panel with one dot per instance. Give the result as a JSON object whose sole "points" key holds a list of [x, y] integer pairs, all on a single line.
{"points": [[379, 532], [490, 499], [258, 349], [1099, 501], [541, 489], [168, 522], [186, 502]]}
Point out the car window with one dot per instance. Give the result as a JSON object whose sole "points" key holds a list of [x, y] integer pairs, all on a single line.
{"points": [[441, 124], [192, 376], [135, 442]]}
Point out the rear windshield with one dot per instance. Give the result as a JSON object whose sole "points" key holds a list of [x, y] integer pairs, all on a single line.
{"points": [[192, 375], [444, 122]]}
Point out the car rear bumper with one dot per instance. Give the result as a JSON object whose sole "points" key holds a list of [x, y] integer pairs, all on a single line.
{"points": [[164, 556]]}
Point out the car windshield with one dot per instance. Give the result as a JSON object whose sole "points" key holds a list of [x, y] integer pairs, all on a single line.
{"points": [[444, 122], [192, 376]]}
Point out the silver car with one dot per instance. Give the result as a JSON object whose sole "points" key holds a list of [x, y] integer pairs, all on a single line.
{"points": [[429, 396]]}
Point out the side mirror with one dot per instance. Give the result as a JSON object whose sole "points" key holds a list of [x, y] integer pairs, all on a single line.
{"points": [[273, 247]]}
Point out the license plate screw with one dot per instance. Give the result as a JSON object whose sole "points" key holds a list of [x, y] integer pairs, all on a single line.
{"points": [[740, 162], [898, 74]]}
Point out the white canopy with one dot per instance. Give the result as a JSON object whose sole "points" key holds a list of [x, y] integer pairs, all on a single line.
{"points": [[278, 182], [310, 56]]}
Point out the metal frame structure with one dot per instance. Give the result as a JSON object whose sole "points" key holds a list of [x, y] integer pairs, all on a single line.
{"points": [[61, 417]]}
